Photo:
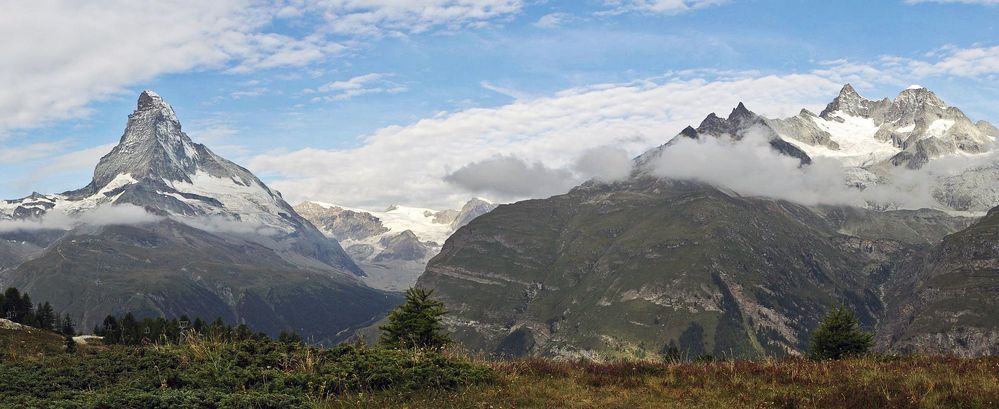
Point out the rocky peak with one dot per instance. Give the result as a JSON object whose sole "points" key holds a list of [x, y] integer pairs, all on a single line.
{"points": [[149, 100], [152, 146], [689, 132], [987, 128], [849, 101], [473, 208], [740, 112]]}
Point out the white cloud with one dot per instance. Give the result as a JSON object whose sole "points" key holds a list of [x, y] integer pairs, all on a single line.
{"points": [[374, 83], [408, 164], [551, 20], [397, 17], [508, 177], [605, 164], [659, 6], [82, 161], [115, 215], [59, 55], [27, 152], [751, 167]]}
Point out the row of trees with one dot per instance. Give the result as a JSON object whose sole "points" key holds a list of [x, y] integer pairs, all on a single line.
{"points": [[128, 330], [18, 308]]}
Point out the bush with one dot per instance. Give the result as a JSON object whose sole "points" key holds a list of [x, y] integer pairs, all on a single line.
{"points": [[217, 373], [417, 323], [839, 336]]}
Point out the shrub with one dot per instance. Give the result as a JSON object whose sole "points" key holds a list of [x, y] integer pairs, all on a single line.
{"points": [[417, 323], [839, 336]]}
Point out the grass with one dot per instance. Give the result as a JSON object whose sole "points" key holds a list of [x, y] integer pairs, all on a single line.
{"points": [[215, 373], [910, 382]]}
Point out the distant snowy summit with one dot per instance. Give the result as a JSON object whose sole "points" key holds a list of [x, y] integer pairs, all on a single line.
{"points": [[876, 141], [393, 245]]}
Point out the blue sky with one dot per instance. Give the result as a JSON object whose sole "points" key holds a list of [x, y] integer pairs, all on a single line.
{"points": [[374, 102]]}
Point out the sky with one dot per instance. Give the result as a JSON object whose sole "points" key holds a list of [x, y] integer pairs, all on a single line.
{"points": [[369, 103]]}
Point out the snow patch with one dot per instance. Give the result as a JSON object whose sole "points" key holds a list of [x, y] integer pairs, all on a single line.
{"points": [[855, 136]]}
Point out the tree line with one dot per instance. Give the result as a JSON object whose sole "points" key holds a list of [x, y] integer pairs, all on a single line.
{"points": [[128, 330], [17, 307]]}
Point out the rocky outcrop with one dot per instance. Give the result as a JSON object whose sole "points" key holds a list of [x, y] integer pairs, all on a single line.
{"points": [[340, 223], [394, 245], [948, 302], [473, 208]]}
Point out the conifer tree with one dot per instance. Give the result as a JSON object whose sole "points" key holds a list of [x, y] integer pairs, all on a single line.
{"points": [[839, 336], [67, 326], [417, 323], [45, 316]]}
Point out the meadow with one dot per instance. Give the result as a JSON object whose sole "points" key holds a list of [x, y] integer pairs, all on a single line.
{"points": [[263, 373]]}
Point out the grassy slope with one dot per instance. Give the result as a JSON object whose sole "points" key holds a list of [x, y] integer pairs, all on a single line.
{"points": [[862, 383], [208, 373]]}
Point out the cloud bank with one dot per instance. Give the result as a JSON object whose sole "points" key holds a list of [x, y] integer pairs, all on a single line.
{"points": [[438, 162], [116, 215]]}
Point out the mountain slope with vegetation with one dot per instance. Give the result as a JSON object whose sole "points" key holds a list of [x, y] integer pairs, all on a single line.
{"points": [[626, 269]]}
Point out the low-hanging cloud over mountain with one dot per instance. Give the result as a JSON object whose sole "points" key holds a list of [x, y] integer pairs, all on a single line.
{"points": [[115, 215]]}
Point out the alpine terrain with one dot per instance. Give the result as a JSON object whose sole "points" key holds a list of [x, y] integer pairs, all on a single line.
{"points": [[167, 228], [392, 246], [652, 263]]}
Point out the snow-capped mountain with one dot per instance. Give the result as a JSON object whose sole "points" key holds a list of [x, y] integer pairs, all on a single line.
{"points": [[913, 145], [157, 167], [914, 128], [394, 245], [166, 227]]}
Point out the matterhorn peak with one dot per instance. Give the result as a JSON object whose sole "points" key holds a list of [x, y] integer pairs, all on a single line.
{"points": [[150, 100]]}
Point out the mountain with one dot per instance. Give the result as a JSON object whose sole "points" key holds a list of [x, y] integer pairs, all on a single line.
{"points": [[632, 267], [625, 269], [394, 245], [739, 124], [882, 145], [167, 227], [946, 303], [910, 130]]}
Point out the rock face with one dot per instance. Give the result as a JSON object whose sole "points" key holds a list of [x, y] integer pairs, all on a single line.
{"points": [[472, 209], [340, 223], [739, 124], [392, 246], [215, 242], [947, 302]]}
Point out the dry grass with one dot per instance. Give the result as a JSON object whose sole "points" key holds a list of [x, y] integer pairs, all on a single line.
{"points": [[911, 382]]}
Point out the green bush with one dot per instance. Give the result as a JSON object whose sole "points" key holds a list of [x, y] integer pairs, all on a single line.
{"points": [[255, 373], [417, 323], [839, 336]]}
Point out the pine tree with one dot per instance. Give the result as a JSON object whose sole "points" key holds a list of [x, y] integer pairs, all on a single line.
{"points": [[11, 304], [67, 326], [45, 316], [129, 330], [839, 336], [417, 323]]}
